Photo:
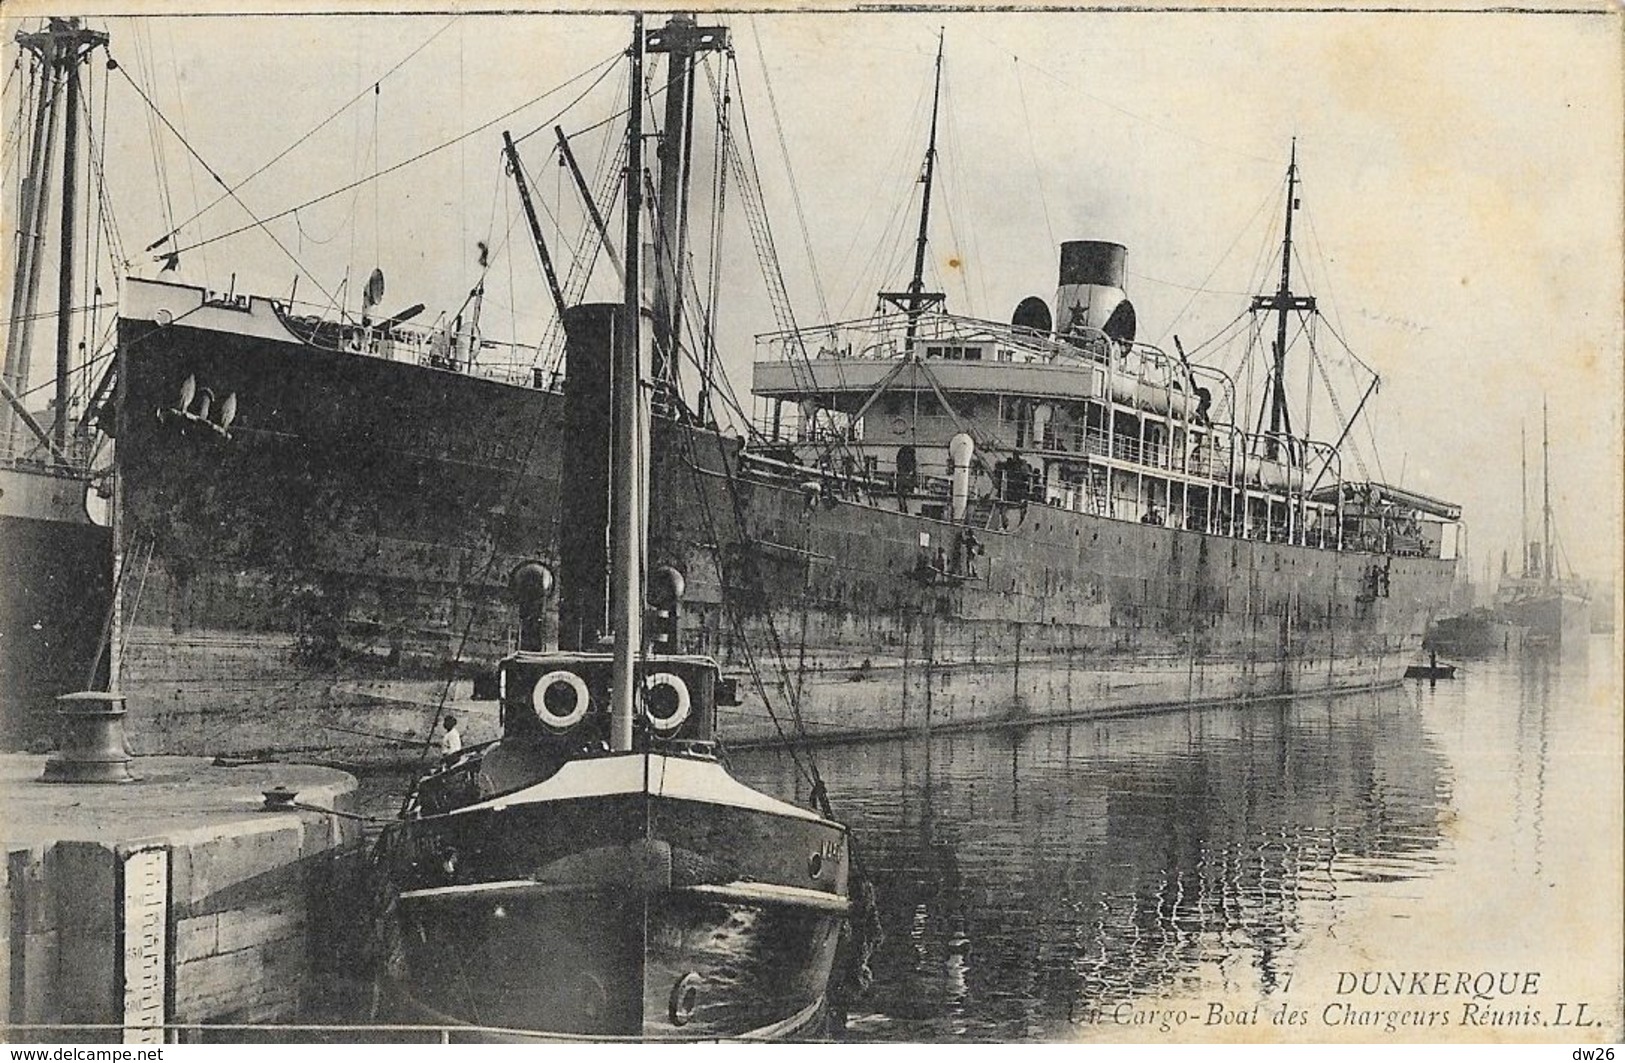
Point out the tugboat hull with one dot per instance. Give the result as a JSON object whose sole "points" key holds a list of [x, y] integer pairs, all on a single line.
{"points": [[684, 907]]}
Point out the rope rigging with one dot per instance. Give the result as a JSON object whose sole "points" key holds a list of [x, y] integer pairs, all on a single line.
{"points": [[258, 222], [1032, 151], [601, 68], [789, 170], [748, 179], [312, 131]]}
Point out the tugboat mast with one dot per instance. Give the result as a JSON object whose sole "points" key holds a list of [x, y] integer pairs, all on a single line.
{"points": [[916, 300], [625, 470], [1282, 303]]}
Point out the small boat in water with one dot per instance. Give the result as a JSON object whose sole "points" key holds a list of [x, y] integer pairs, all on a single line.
{"points": [[1433, 670], [596, 871]]}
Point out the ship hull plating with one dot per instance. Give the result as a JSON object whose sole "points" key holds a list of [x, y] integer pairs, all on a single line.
{"points": [[326, 576], [623, 916], [311, 577], [1556, 622], [55, 594]]}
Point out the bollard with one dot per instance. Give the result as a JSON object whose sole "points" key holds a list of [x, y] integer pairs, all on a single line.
{"points": [[91, 740]]}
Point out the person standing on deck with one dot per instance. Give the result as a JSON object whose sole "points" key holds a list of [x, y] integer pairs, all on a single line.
{"points": [[451, 742]]}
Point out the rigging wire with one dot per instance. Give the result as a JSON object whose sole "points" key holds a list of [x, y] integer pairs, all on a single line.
{"points": [[1032, 150], [1198, 289], [1337, 412], [885, 175], [719, 200], [342, 226], [143, 33], [377, 154], [1314, 236], [789, 171], [193, 151], [599, 80], [104, 194], [17, 141], [482, 127], [1202, 287], [960, 254], [312, 131], [750, 187], [93, 288], [180, 99], [43, 315]]}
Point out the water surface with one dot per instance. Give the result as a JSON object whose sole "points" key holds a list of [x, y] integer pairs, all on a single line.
{"points": [[1198, 874]]}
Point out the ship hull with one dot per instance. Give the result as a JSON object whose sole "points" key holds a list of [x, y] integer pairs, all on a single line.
{"points": [[1060, 615], [322, 576], [631, 914], [1557, 622], [1479, 633], [327, 579], [55, 596]]}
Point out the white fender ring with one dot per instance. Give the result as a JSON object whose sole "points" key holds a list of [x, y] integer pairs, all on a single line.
{"points": [[560, 721], [675, 720]]}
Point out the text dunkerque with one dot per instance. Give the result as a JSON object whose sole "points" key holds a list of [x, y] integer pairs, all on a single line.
{"points": [[1483, 985]]}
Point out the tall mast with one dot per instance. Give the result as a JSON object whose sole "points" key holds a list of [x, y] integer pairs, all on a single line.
{"points": [[1283, 302], [916, 300], [30, 235], [65, 254], [1523, 457], [626, 465], [59, 48], [681, 40], [1550, 555]]}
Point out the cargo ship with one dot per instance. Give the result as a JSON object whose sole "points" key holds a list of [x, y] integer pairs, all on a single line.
{"points": [[1553, 613], [1539, 609], [56, 549], [945, 522]]}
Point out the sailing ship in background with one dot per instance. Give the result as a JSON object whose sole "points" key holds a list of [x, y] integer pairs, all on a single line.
{"points": [[55, 558], [596, 871], [941, 520]]}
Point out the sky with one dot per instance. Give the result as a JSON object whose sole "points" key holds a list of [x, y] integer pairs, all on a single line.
{"points": [[1461, 190]]}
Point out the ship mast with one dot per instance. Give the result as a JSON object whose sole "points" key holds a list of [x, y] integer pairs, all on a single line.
{"points": [[1523, 457], [681, 40], [626, 461], [1283, 302], [916, 300], [1548, 555], [60, 48]]}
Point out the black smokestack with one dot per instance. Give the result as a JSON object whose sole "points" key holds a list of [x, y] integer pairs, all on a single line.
{"points": [[589, 332]]}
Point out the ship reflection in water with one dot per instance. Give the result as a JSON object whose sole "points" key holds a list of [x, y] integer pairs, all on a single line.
{"points": [[1065, 881]]}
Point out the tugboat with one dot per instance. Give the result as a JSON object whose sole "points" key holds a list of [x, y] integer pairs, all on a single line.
{"points": [[596, 871]]}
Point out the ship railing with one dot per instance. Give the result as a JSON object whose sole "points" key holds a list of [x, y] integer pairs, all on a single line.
{"points": [[436, 346], [954, 337], [873, 476], [24, 451], [948, 337]]}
